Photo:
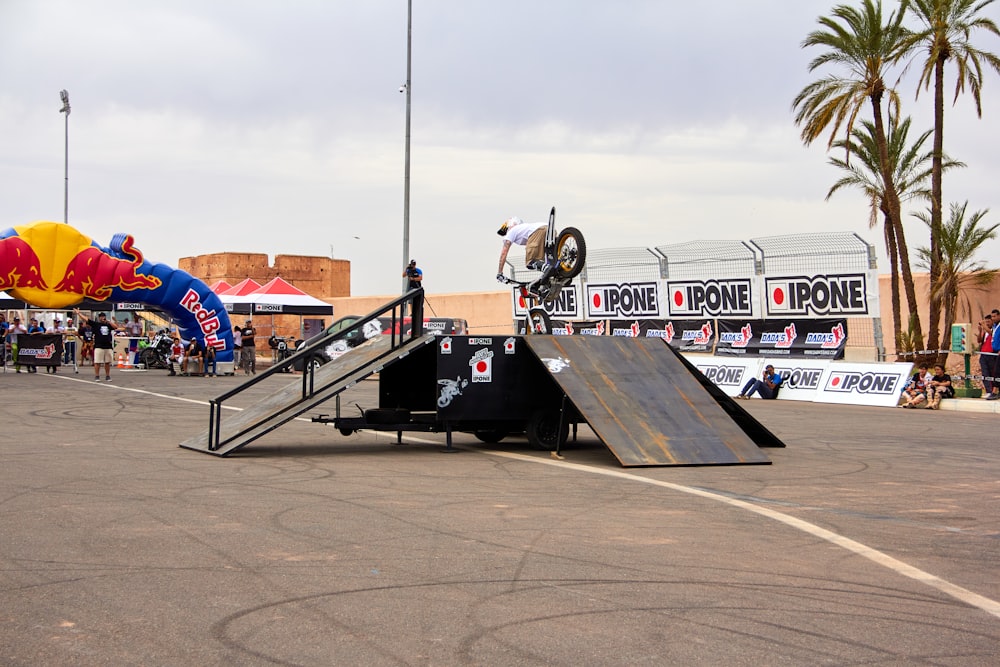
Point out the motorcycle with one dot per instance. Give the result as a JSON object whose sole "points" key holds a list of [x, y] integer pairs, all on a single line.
{"points": [[565, 255], [157, 353]]}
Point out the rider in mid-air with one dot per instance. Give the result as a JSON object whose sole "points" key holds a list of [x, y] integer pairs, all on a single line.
{"points": [[529, 234]]}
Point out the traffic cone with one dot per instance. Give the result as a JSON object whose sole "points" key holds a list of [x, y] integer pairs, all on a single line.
{"points": [[121, 361]]}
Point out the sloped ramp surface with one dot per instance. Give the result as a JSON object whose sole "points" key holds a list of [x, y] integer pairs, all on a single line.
{"points": [[643, 402], [288, 402]]}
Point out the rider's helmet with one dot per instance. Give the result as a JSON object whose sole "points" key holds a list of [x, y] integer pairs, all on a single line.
{"points": [[507, 224]]}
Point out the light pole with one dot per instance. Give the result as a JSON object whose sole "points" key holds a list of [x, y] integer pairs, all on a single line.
{"points": [[64, 96], [406, 162]]}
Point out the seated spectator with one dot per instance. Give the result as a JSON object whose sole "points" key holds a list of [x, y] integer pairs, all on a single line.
{"points": [[195, 355], [939, 387], [211, 368], [176, 355], [915, 391], [767, 386]]}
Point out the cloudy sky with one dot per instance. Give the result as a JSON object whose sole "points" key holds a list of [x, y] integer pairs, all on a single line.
{"points": [[278, 127]]}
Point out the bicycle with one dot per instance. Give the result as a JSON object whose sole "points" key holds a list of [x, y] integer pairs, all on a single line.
{"points": [[565, 255]]}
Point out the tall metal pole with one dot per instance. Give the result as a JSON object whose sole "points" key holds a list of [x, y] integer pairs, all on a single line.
{"points": [[406, 163], [64, 96]]}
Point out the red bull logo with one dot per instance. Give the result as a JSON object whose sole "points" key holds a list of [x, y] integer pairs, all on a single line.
{"points": [[52, 265], [19, 265], [94, 273]]}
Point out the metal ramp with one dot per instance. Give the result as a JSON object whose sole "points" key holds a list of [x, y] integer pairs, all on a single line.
{"points": [[648, 406], [241, 428], [228, 431]]}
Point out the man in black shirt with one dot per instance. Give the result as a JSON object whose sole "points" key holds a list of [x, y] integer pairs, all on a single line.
{"points": [[104, 343], [248, 352]]}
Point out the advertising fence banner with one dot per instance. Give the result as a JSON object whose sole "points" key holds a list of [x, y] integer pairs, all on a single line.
{"points": [[728, 374], [39, 349], [863, 384], [733, 297], [813, 338], [686, 335]]}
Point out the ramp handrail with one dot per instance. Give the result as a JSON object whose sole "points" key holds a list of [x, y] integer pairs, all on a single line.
{"points": [[396, 311]]}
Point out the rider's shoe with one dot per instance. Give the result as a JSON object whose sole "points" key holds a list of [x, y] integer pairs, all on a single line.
{"points": [[535, 265]]}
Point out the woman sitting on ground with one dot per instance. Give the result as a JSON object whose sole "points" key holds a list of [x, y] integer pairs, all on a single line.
{"points": [[939, 387]]}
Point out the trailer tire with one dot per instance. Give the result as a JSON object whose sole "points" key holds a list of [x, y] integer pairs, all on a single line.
{"points": [[543, 430], [490, 436], [346, 431]]}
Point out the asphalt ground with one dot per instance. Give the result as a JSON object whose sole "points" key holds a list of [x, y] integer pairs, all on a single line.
{"points": [[871, 539]]}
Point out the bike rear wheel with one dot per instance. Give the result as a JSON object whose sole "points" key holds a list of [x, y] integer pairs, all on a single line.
{"points": [[537, 322], [571, 253]]}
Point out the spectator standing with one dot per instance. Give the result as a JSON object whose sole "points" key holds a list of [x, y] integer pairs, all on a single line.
{"points": [[4, 328], [56, 328], [103, 331], [69, 342], [135, 327], [995, 365], [34, 328], [16, 329], [86, 341], [237, 347], [249, 353]]}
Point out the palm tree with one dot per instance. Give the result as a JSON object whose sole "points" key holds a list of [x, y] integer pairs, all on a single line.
{"points": [[958, 241], [858, 41], [911, 171], [947, 28]]}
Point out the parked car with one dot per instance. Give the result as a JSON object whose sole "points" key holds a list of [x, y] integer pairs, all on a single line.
{"points": [[439, 326]]}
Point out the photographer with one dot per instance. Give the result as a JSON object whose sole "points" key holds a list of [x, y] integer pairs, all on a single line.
{"points": [[415, 276], [767, 386]]}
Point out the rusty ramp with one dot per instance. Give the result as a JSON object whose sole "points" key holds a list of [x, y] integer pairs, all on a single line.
{"points": [[648, 406]]}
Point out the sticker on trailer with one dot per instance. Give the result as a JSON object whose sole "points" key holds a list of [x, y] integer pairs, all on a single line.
{"points": [[482, 365]]}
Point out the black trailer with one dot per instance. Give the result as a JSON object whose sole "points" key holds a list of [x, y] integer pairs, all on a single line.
{"points": [[489, 386]]}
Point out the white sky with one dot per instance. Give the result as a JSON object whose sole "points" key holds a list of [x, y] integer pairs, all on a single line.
{"points": [[259, 126]]}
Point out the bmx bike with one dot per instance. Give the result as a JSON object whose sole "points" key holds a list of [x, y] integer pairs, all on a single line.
{"points": [[565, 255]]}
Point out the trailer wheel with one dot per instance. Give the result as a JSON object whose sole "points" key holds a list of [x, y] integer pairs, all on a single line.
{"points": [[491, 436], [543, 430], [346, 431]]}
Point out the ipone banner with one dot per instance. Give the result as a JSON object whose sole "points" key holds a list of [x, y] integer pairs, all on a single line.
{"points": [[821, 338], [863, 384], [39, 349], [566, 305], [849, 294]]}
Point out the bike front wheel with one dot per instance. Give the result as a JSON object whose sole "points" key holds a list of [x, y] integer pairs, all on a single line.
{"points": [[571, 253], [538, 322]]}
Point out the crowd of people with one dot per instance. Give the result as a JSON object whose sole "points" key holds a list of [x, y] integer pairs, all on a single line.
{"points": [[91, 340]]}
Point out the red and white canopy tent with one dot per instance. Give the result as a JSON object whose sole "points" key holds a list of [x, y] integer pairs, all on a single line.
{"points": [[277, 297], [220, 286]]}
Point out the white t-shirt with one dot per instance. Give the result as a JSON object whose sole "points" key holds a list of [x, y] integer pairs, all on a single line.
{"points": [[518, 234]]}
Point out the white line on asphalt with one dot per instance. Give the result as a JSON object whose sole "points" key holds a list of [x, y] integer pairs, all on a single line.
{"points": [[962, 594]]}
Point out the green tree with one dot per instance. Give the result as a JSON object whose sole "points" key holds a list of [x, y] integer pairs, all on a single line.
{"points": [[958, 241], [858, 42], [911, 169], [947, 30]]}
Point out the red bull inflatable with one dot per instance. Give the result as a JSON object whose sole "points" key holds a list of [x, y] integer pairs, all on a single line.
{"points": [[52, 265]]}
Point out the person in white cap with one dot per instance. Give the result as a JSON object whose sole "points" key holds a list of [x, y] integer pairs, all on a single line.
{"points": [[529, 234]]}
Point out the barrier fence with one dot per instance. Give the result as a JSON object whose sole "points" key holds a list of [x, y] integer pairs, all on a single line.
{"points": [[776, 285]]}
